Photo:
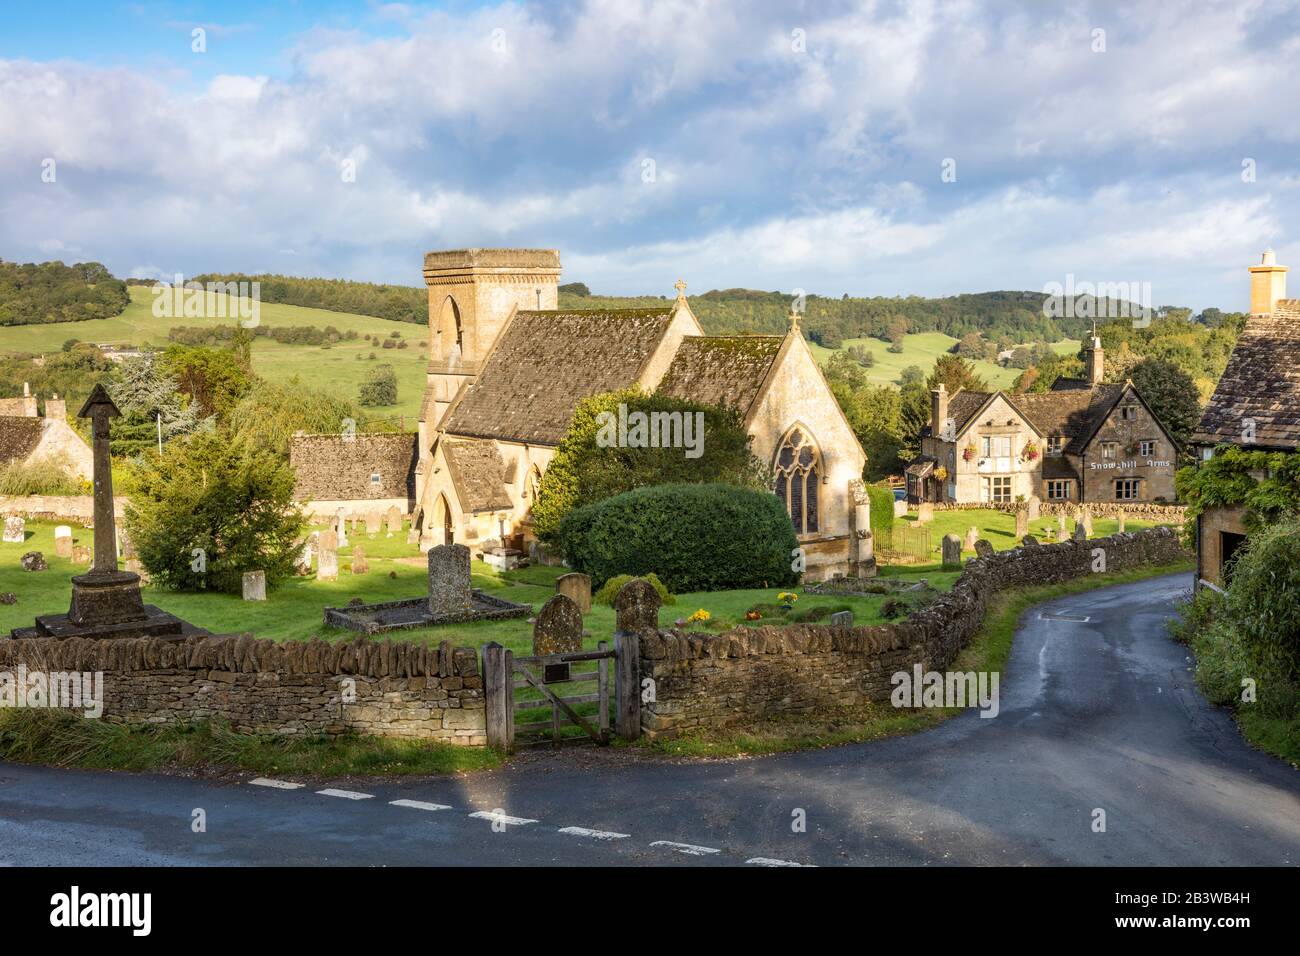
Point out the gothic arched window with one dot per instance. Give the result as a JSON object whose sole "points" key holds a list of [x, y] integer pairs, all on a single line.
{"points": [[798, 474]]}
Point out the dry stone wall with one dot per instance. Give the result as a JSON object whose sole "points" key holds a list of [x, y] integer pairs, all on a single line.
{"points": [[379, 688], [704, 681]]}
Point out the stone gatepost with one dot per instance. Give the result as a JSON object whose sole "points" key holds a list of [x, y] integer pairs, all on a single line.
{"points": [[449, 580], [636, 607], [951, 551], [576, 586]]}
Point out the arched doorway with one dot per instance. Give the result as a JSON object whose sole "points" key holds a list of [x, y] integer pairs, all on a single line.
{"points": [[441, 524]]}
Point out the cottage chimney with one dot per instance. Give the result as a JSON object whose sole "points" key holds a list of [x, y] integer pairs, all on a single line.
{"points": [[27, 390], [938, 410], [56, 408], [1267, 284], [1096, 362]]}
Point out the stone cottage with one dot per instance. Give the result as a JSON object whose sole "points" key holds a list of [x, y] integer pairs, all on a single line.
{"points": [[27, 437], [507, 367], [1083, 441], [358, 473], [1255, 406]]}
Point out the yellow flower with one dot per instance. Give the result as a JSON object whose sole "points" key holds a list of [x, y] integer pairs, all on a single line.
{"points": [[700, 615]]}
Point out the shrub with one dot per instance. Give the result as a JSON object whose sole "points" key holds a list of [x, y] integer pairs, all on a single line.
{"points": [[609, 590], [695, 537], [43, 476], [1264, 598], [380, 388], [882, 507]]}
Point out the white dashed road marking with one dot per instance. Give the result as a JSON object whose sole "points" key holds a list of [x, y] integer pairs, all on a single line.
{"points": [[345, 794], [594, 834], [497, 817], [686, 848], [277, 784], [765, 861], [418, 805]]}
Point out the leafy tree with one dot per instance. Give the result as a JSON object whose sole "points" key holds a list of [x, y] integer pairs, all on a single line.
{"points": [[210, 510], [380, 388], [587, 469], [1172, 395], [271, 412], [53, 292], [214, 379], [143, 392], [954, 372]]}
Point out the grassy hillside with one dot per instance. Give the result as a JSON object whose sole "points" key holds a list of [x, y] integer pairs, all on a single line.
{"points": [[922, 349], [336, 368]]}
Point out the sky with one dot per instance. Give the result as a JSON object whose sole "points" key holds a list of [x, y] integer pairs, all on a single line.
{"points": [[868, 148]]}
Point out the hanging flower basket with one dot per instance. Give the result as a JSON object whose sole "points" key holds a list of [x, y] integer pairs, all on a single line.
{"points": [[1030, 453], [969, 452], [941, 474]]}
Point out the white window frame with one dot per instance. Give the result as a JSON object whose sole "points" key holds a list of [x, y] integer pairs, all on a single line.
{"points": [[1134, 483], [1147, 448]]}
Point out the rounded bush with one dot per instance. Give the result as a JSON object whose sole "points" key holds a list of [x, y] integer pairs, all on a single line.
{"points": [[882, 507], [609, 590], [709, 537]]}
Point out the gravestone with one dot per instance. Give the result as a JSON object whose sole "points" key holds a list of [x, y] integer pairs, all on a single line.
{"points": [[63, 541], [327, 565], [924, 512], [1022, 522], [81, 555], [1085, 515], [254, 585], [305, 554], [951, 551], [1123, 518], [1080, 533], [983, 549], [1062, 536], [359, 563], [15, 529], [413, 536], [972, 535], [636, 607], [1035, 507], [33, 561], [394, 520], [842, 619], [1029, 541], [1060, 520], [328, 541], [577, 586], [374, 522], [135, 567], [557, 630], [449, 580], [125, 546], [342, 530]]}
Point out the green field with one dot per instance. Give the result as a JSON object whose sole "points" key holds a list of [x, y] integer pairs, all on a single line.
{"points": [[921, 350], [336, 368]]}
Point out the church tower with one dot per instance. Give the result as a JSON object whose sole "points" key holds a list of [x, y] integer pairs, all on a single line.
{"points": [[472, 293]]}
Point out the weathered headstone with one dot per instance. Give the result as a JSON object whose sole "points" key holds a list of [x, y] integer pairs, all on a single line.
{"points": [[394, 520], [924, 512], [1080, 533], [374, 522], [1035, 507], [842, 619], [577, 586], [1060, 520], [305, 554], [951, 551], [636, 607], [125, 546], [1123, 519], [1062, 536], [328, 541], [558, 628], [342, 530], [254, 585], [972, 535], [1029, 541], [1022, 522], [33, 561], [63, 541], [327, 565], [983, 549], [81, 554], [15, 529], [413, 535], [359, 563], [449, 580], [1085, 516]]}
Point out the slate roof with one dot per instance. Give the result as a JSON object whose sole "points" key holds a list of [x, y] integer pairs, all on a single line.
{"points": [[721, 369], [478, 472], [1075, 410], [1261, 382], [547, 361], [328, 468], [19, 437]]}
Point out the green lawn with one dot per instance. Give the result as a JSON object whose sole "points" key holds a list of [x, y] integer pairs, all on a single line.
{"points": [[921, 350], [294, 611], [336, 368]]}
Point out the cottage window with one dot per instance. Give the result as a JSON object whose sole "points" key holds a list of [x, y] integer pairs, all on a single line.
{"points": [[1128, 489], [798, 475], [1128, 412], [1054, 444], [1058, 489], [1146, 448], [1108, 449], [997, 489]]}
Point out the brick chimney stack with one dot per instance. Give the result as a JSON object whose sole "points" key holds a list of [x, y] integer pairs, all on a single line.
{"points": [[1096, 362], [56, 408], [1267, 284], [938, 410]]}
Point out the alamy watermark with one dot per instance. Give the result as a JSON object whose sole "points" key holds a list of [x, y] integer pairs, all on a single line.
{"points": [[60, 690], [950, 689], [651, 430], [1098, 300], [211, 300]]}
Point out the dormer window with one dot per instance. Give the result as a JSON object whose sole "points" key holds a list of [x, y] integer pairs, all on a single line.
{"points": [[1128, 412], [1054, 444]]}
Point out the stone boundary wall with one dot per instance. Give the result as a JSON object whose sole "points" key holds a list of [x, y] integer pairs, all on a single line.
{"points": [[402, 689], [71, 509], [1174, 514], [707, 681]]}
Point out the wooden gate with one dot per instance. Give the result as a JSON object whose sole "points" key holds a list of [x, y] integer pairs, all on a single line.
{"points": [[530, 700]]}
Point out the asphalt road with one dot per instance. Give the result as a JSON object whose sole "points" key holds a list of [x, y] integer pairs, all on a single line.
{"points": [[1099, 713]]}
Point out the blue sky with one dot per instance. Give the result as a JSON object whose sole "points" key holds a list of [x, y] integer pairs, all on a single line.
{"points": [[775, 145]]}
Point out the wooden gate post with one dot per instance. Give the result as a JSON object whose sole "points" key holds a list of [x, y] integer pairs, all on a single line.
{"points": [[627, 680], [499, 688]]}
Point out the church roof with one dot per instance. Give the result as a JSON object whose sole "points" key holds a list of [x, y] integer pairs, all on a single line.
{"points": [[19, 437], [721, 369], [478, 472], [1261, 382], [548, 361]]}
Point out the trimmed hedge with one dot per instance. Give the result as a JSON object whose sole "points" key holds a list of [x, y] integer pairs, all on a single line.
{"points": [[882, 507], [710, 537]]}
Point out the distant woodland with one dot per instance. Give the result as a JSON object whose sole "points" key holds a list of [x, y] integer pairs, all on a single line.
{"points": [[33, 294]]}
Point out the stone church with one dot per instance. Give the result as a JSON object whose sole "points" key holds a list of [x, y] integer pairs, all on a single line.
{"points": [[507, 368]]}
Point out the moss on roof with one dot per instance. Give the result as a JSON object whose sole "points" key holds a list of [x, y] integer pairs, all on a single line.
{"points": [[721, 369]]}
